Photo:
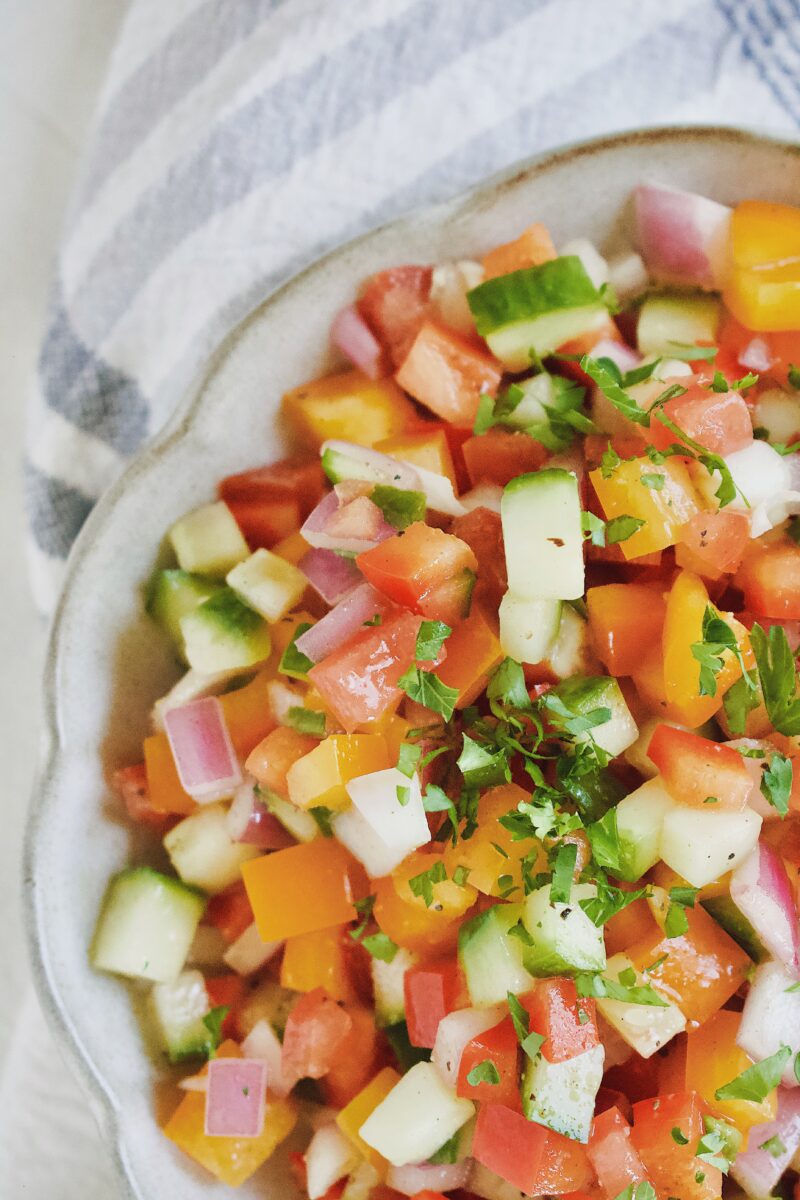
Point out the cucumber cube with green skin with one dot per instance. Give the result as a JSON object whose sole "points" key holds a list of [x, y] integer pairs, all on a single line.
{"points": [[268, 584], [208, 541], [583, 695], [667, 319], [536, 309], [703, 845], [541, 516], [146, 925], [561, 1095], [563, 939], [416, 1118], [728, 914], [223, 634], [640, 819], [177, 1010], [202, 851], [173, 593], [492, 958], [528, 628], [299, 823], [388, 984]]}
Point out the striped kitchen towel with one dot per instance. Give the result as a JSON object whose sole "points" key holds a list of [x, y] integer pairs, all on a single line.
{"points": [[236, 140]]}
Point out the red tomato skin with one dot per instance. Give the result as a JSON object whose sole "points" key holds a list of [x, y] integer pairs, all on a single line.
{"points": [[432, 990], [567, 1023], [694, 768], [316, 1029], [500, 1046], [230, 912], [227, 990], [612, 1153], [394, 304], [130, 784], [448, 374], [719, 421], [482, 530], [673, 1168], [770, 580], [528, 1156], [413, 566]]}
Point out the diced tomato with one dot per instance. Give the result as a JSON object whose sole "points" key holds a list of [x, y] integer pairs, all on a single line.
{"points": [[528, 1156], [533, 246], [230, 912], [482, 530], [770, 580], [227, 991], [633, 923], [270, 502], [418, 569], [275, 754], [612, 1154], [447, 373], [432, 990], [264, 523], [130, 784], [715, 541], [356, 1061], [673, 1167], [637, 1078], [733, 338], [625, 621], [695, 769], [394, 304], [499, 1046], [720, 421], [316, 1030], [358, 682], [473, 652], [500, 455], [625, 445], [567, 1023]]}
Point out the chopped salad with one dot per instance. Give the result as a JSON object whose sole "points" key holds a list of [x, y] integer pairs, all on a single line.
{"points": [[478, 787]]}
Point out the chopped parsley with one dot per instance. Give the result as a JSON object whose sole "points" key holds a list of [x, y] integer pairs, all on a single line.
{"points": [[718, 639], [430, 639], [306, 720], [483, 1072], [619, 529], [422, 885], [427, 689], [757, 1081], [778, 676], [293, 662], [776, 782], [213, 1021]]}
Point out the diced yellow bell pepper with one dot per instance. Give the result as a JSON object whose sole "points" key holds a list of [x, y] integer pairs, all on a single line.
{"points": [[354, 1114], [473, 652], [292, 548], [687, 601], [348, 406], [712, 1060], [318, 779], [428, 450], [318, 959], [763, 286], [163, 784], [663, 512], [491, 854]]}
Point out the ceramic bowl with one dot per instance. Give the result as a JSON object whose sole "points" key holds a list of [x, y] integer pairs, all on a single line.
{"points": [[107, 662]]}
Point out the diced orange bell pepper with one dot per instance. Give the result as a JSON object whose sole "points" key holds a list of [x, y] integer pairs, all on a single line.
{"points": [[683, 627], [649, 680], [448, 373], [406, 920], [393, 729], [473, 652], [355, 1063], [713, 543], [271, 760], [663, 511], [628, 926], [491, 852], [227, 991], [164, 786], [450, 900], [319, 778], [428, 450], [533, 246], [625, 621], [500, 455], [712, 1060], [318, 959], [763, 286], [701, 969], [770, 580], [349, 406], [247, 714], [292, 548], [303, 888], [354, 1114]]}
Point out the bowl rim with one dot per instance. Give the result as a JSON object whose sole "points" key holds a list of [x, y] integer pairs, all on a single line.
{"points": [[104, 1104]]}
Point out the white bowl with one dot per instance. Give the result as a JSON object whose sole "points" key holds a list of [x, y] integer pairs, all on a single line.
{"points": [[107, 662]]}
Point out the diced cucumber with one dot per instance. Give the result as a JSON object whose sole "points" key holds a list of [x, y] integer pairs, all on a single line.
{"points": [[728, 914], [299, 823], [172, 594], [670, 318], [177, 1010], [561, 1095], [645, 1027], [640, 819], [269, 1002], [541, 408], [583, 695], [490, 957], [418, 1116], [208, 541], [571, 653], [456, 1148], [223, 634], [146, 925], [268, 584], [536, 309], [202, 851], [779, 413], [528, 628], [541, 515], [389, 988], [338, 465], [563, 938], [702, 845]]}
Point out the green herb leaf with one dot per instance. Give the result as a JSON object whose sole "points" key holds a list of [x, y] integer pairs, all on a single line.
{"points": [[655, 481], [609, 901], [483, 1072], [639, 1191], [480, 767], [400, 508], [741, 699], [613, 391], [619, 529], [422, 885], [408, 758], [776, 782], [430, 639], [679, 1137], [609, 462], [507, 687], [589, 983], [437, 800], [688, 353], [213, 1022], [306, 720], [323, 816], [594, 528], [427, 689], [717, 639], [563, 871], [773, 1146], [776, 669], [380, 946], [604, 840], [532, 1045], [293, 662], [519, 1017], [757, 1081], [448, 1153]]}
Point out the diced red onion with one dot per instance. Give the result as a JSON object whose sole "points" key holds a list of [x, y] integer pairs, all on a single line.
{"points": [[454, 1031], [355, 526], [683, 237], [201, 746], [337, 626], [262, 1042], [756, 356], [625, 357], [194, 685], [248, 953], [760, 889], [351, 334], [422, 1177], [757, 1170], [235, 1099], [771, 1017], [331, 576], [251, 822], [373, 466]]}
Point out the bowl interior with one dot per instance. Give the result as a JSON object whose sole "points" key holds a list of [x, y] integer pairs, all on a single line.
{"points": [[108, 663]]}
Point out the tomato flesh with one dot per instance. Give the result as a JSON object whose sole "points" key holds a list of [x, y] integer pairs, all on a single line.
{"points": [[567, 1023], [499, 1046], [700, 772], [527, 1155], [432, 990]]}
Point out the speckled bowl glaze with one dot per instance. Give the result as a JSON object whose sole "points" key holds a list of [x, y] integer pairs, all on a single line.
{"points": [[107, 662]]}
